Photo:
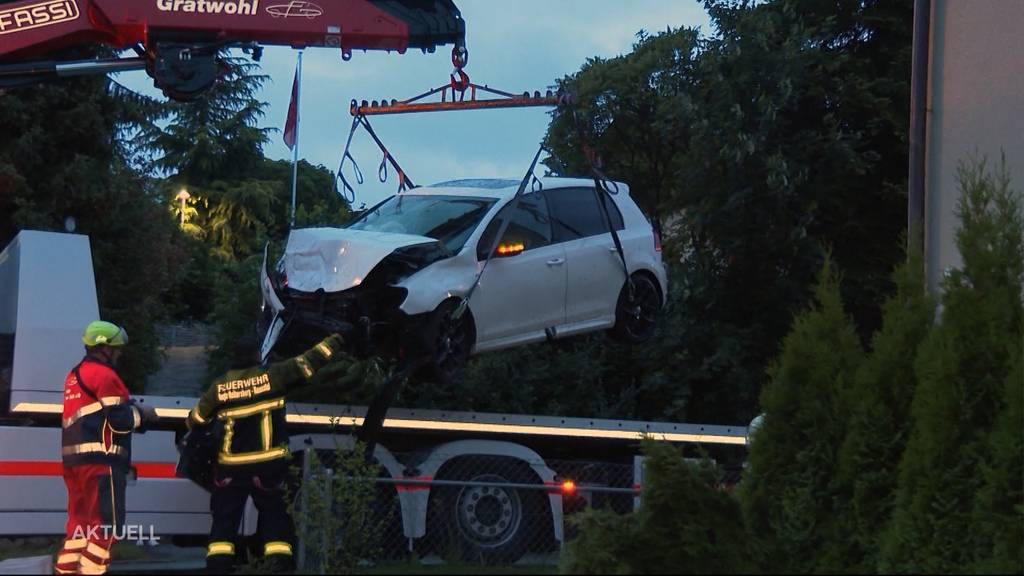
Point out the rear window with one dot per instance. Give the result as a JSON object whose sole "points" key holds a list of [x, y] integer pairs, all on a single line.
{"points": [[576, 213]]}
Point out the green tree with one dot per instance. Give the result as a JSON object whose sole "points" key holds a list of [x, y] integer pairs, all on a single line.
{"points": [[778, 138], [685, 525], [636, 110], [236, 307], [799, 145], [317, 201], [64, 151], [214, 137], [239, 215], [879, 405], [998, 516], [786, 490], [962, 369], [338, 518]]}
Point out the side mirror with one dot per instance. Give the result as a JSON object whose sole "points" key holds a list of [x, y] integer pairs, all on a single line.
{"points": [[506, 250]]}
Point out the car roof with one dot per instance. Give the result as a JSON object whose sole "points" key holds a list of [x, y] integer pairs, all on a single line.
{"points": [[500, 188]]}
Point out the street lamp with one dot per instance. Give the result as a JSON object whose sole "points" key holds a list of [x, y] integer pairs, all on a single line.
{"points": [[183, 196]]}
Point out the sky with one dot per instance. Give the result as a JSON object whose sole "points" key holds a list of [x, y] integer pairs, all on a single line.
{"points": [[514, 45]]}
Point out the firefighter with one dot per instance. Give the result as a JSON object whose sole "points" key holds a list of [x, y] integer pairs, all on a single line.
{"points": [[247, 409], [96, 447]]}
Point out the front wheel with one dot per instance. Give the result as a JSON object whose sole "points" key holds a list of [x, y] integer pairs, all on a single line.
{"points": [[449, 341], [636, 312]]}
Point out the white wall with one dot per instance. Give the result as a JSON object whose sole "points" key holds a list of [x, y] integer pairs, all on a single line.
{"points": [[975, 106], [56, 299]]}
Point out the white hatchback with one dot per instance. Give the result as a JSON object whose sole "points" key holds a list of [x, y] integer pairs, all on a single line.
{"points": [[394, 278]]}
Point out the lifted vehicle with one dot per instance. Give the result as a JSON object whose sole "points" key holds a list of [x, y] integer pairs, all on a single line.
{"points": [[396, 276], [490, 486]]}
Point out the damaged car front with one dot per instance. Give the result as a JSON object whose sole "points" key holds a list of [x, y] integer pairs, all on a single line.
{"points": [[354, 280]]}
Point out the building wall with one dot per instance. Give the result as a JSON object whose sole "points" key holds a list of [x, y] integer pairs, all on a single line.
{"points": [[975, 107]]}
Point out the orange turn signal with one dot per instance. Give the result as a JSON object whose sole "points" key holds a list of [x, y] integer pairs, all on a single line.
{"points": [[511, 249]]}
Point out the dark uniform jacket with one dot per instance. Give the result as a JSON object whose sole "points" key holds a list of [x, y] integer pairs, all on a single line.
{"points": [[248, 408], [98, 417]]}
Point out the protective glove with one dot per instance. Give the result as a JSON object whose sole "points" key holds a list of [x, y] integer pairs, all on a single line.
{"points": [[335, 343]]}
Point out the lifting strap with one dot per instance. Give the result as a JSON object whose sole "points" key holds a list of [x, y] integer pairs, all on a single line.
{"points": [[603, 186], [348, 193], [404, 182], [373, 421]]}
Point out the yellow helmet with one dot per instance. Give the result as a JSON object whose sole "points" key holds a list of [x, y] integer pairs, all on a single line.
{"points": [[100, 333]]}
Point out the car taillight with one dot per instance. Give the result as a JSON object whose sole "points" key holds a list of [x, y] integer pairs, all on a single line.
{"points": [[657, 240]]}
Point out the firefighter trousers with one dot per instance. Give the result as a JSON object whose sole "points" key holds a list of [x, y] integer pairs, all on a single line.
{"points": [[227, 502], [95, 517]]}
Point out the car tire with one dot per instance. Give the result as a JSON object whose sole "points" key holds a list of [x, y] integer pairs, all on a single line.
{"points": [[636, 314], [448, 341]]}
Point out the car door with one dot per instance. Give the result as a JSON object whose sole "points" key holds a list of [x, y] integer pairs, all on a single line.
{"points": [[522, 290], [594, 269]]}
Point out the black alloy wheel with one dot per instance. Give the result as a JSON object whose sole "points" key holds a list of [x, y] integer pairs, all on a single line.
{"points": [[452, 341], [636, 313]]}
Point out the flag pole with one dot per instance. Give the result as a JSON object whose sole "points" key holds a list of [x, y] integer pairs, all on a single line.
{"points": [[295, 149]]}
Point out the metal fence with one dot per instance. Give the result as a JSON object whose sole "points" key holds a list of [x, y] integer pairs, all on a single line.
{"points": [[476, 509]]}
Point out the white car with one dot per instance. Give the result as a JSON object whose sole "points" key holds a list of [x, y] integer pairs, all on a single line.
{"points": [[394, 278]]}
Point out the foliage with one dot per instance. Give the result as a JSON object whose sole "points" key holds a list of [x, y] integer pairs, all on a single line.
{"points": [[63, 153], [779, 138], [998, 513], [589, 376], [238, 203], [335, 513], [786, 490], [636, 110], [214, 137], [236, 307], [685, 525], [962, 370], [879, 405]]}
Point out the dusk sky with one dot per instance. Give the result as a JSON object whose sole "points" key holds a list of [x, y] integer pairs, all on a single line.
{"points": [[514, 45]]}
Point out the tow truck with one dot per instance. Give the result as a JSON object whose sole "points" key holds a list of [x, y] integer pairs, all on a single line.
{"points": [[47, 293]]}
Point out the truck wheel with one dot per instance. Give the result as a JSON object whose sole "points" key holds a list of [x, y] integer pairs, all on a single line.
{"points": [[486, 524]]}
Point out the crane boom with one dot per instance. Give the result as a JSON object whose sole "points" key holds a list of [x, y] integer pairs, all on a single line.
{"points": [[177, 40]]}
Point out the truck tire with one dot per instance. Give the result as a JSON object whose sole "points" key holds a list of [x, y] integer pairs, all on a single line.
{"points": [[484, 524]]}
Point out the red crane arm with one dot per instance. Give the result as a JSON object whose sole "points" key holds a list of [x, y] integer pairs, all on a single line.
{"points": [[32, 28]]}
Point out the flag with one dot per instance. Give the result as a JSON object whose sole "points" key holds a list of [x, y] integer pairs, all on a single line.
{"points": [[293, 114]]}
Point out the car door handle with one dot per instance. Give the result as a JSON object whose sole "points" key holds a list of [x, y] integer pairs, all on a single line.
{"points": [[613, 250], [556, 261]]}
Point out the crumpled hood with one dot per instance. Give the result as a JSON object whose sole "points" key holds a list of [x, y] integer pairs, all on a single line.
{"points": [[337, 259]]}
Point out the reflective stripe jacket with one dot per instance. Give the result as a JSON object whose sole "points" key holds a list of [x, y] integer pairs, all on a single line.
{"points": [[97, 430], [248, 406]]}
